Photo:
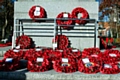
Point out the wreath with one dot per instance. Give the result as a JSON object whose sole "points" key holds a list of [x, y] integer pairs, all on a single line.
{"points": [[90, 52], [14, 53], [68, 67], [36, 66], [84, 16], [89, 66], [64, 20], [109, 68], [23, 41], [110, 56], [9, 64], [37, 12], [62, 41]]}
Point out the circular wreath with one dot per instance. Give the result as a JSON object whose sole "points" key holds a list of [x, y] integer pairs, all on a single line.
{"points": [[69, 68], [90, 67], [9, 66], [113, 69], [42, 12], [62, 41], [35, 66], [84, 13], [75, 53], [14, 53], [23, 41], [90, 52], [28, 54], [64, 22], [110, 56]]}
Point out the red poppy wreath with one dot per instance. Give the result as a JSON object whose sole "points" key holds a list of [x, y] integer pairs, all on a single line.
{"points": [[90, 52], [110, 56], [66, 65], [62, 41], [14, 53], [37, 12], [23, 41], [109, 68], [38, 64], [84, 15], [88, 65], [9, 64], [63, 19]]}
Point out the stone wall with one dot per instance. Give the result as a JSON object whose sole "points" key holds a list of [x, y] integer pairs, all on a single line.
{"points": [[53, 8]]}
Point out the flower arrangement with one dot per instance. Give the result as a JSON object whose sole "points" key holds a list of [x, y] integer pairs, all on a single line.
{"points": [[90, 52], [84, 16], [9, 64], [66, 67], [64, 22], [88, 65], [14, 53], [23, 41], [38, 66], [62, 41], [37, 12]]}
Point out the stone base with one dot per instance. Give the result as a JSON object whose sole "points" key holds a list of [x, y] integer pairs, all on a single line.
{"points": [[52, 75]]}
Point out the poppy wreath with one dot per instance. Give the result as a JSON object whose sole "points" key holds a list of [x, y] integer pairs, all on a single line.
{"points": [[9, 65], [64, 22], [14, 53], [70, 67], [109, 68], [54, 55], [23, 41], [105, 43], [41, 11], [84, 13], [75, 53], [110, 56], [35, 66], [62, 41], [90, 52], [90, 67], [28, 54]]}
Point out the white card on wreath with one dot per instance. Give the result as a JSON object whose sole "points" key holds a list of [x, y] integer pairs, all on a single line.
{"points": [[86, 60], [113, 55], [55, 45], [64, 59], [18, 47], [16, 50], [107, 66], [65, 15], [37, 11], [8, 59], [38, 49], [39, 59], [75, 50]]}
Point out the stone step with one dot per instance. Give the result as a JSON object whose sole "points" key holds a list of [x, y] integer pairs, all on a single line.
{"points": [[52, 75], [3, 50]]}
